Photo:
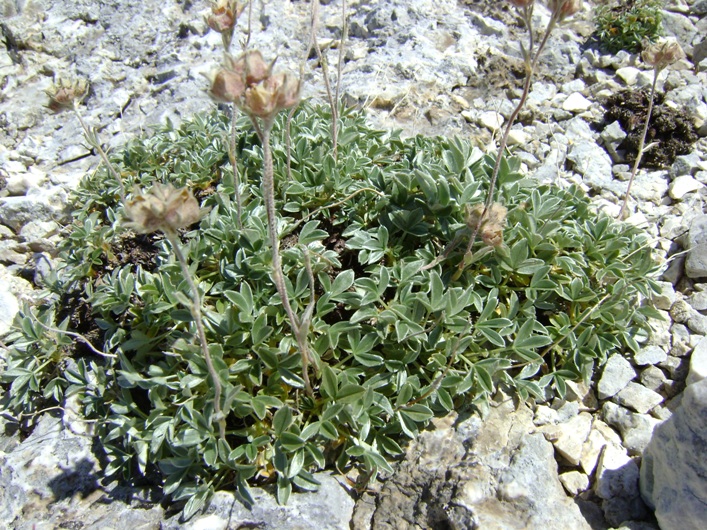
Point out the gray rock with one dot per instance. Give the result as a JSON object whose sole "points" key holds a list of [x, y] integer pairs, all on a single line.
{"points": [[616, 375], [698, 363], [680, 27], [636, 429], [617, 484], [685, 165], [329, 508], [696, 264], [676, 367], [699, 8], [649, 355], [652, 378], [674, 467], [490, 473], [638, 397], [40, 204]]}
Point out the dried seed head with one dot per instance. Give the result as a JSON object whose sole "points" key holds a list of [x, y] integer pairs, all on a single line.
{"points": [[522, 3], [491, 229], [224, 15], [227, 86], [563, 9], [64, 93], [663, 53], [163, 208]]}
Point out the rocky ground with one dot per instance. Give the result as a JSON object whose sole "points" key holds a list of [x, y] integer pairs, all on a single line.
{"points": [[430, 67]]}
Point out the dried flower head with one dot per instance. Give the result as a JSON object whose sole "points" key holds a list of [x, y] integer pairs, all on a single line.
{"points": [[227, 86], [223, 18], [163, 208], [663, 53], [249, 82], [520, 4], [491, 229], [563, 9], [65, 92]]}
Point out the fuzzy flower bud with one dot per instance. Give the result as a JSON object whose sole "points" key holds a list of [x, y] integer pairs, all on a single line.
{"points": [[64, 93], [163, 208], [663, 53], [563, 9], [491, 229]]}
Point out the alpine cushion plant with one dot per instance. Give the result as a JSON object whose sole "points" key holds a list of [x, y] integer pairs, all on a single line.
{"points": [[397, 342]]}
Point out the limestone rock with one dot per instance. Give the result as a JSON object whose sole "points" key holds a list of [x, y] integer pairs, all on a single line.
{"points": [[698, 363], [674, 467], [636, 429], [649, 355], [696, 263], [617, 374], [617, 484], [638, 397], [490, 473]]}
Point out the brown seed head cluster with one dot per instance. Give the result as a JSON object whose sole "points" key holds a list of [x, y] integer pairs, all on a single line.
{"points": [[163, 208], [65, 92], [520, 4], [491, 229], [563, 9], [248, 82], [663, 53]]}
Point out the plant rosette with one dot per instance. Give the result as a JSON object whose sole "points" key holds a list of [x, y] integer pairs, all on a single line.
{"points": [[400, 332]]}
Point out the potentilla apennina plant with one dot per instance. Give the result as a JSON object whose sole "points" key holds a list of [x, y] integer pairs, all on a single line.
{"points": [[659, 55], [490, 223], [249, 82], [163, 208]]}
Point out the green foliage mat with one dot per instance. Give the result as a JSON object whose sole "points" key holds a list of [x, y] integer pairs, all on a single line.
{"points": [[396, 343]]}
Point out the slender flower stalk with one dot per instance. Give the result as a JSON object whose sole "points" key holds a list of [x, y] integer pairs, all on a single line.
{"points": [[560, 10], [659, 55], [248, 81]]}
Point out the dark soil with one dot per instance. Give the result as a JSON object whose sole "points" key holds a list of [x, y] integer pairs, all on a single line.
{"points": [[672, 130]]}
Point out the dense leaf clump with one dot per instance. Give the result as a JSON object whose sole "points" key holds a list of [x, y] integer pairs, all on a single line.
{"points": [[397, 341], [628, 24]]}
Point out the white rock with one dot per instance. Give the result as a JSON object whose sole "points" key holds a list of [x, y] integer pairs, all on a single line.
{"points": [[518, 137], [572, 435], [617, 483], [208, 522], [617, 374], [491, 120], [545, 415], [650, 355], [574, 482], [638, 398], [664, 300], [628, 74], [698, 363], [591, 450], [576, 102], [683, 185], [8, 309]]}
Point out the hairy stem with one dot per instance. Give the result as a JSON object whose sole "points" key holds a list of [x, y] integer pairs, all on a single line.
{"points": [[234, 165], [299, 329], [530, 65], [641, 143], [195, 309]]}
